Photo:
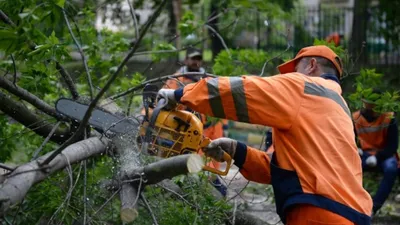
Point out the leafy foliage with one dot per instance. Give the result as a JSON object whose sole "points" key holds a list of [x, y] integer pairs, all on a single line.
{"points": [[156, 57], [365, 83], [239, 62]]}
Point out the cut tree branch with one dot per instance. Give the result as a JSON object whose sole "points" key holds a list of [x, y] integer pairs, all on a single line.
{"points": [[30, 98], [17, 184], [27, 118], [89, 78], [93, 103], [68, 80]]}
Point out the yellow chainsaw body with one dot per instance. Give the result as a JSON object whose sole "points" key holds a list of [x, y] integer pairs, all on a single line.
{"points": [[177, 132]]}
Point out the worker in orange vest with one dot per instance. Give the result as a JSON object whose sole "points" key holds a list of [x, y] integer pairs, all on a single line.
{"points": [[315, 169], [377, 135], [334, 37], [213, 128]]}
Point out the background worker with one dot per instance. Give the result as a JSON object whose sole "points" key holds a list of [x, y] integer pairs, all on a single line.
{"points": [[315, 169], [377, 135], [213, 128]]}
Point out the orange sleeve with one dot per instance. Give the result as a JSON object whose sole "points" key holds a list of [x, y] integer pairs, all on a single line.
{"points": [[269, 101], [254, 164]]}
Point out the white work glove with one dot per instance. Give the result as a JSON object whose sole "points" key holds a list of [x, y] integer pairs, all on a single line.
{"points": [[218, 146], [169, 96], [371, 161], [360, 151], [226, 133]]}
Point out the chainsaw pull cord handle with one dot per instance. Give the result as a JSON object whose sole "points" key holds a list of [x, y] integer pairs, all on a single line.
{"points": [[226, 158], [160, 104], [147, 138]]}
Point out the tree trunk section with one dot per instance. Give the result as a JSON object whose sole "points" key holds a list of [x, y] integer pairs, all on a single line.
{"points": [[359, 31], [216, 45]]}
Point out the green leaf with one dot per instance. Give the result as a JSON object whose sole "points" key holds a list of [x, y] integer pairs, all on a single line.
{"points": [[60, 3]]}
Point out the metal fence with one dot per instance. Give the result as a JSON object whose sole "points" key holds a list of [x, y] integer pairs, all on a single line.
{"points": [[307, 24]]}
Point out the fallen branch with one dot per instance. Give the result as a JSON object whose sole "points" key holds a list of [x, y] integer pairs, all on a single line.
{"points": [[93, 103], [30, 98], [20, 113], [18, 183], [167, 168]]}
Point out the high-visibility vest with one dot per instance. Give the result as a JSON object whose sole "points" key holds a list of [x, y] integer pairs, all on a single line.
{"points": [[372, 135]]}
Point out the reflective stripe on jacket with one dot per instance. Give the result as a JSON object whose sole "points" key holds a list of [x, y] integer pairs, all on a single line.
{"points": [[372, 136]]}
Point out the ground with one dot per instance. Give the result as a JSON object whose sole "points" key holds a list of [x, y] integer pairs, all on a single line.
{"points": [[257, 199]]}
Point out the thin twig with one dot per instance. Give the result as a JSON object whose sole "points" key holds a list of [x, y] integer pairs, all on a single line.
{"points": [[130, 90], [15, 70], [220, 38], [68, 80], [71, 185], [93, 103], [29, 97], [135, 22], [36, 153], [16, 213], [180, 196], [5, 19], [81, 52], [277, 56], [148, 208], [4, 166], [106, 202]]}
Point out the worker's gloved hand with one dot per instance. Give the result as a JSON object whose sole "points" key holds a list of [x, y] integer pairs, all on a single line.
{"points": [[218, 146], [371, 161], [360, 151], [226, 133], [169, 96]]}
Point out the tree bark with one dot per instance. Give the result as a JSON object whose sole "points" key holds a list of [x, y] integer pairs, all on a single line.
{"points": [[177, 10], [30, 120], [359, 30], [18, 183], [216, 45]]}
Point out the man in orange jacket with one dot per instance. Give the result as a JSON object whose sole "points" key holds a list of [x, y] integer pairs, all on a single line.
{"points": [[315, 169], [378, 141]]}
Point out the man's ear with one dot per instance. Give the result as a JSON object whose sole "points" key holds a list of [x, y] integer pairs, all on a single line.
{"points": [[313, 65]]}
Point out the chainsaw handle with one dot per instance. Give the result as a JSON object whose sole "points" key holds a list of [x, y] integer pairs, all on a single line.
{"points": [[228, 159]]}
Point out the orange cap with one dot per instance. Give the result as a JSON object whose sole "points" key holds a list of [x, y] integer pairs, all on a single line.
{"points": [[319, 50]]}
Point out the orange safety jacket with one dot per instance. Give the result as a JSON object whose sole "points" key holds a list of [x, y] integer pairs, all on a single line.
{"points": [[315, 158], [372, 136], [333, 37]]}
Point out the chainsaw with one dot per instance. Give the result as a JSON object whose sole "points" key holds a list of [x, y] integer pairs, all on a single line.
{"points": [[163, 133]]}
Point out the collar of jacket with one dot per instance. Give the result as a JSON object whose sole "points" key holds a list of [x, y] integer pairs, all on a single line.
{"points": [[329, 76]]}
